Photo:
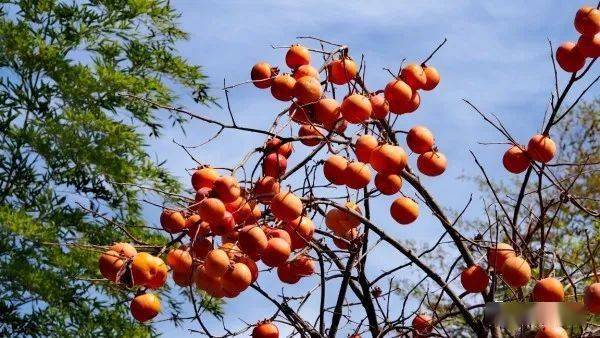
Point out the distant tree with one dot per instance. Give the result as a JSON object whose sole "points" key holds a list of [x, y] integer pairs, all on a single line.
{"points": [[70, 143]]}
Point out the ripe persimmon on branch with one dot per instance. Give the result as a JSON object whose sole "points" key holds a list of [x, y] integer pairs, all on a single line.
{"points": [[263, 217]]}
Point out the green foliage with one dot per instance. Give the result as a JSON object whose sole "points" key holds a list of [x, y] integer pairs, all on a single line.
{"points": [[70, 134]]}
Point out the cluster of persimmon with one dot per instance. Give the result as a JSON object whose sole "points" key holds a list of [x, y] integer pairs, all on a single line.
{"points": [[224, 210], [220, 213], [571, 56], [518, 158], [319, 116], [123, 264], [388, 161], [516, 272]]}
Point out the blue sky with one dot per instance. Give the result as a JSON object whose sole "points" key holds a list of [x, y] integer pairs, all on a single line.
{"points": [[497, 56]]}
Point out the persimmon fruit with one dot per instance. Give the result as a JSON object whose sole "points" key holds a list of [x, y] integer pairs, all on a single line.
{"points": [[305, 70], [110, 263], [196, 226], [227, 188], [356, 108], [237, 278], [301, 113], [341, 71], [204, 280], [541, 148], [124, 249], [286, 206], [276, 145], [216, 263], [251, 264], [310, 135], [548, 290], [591, 298], [405, 107], [183, 278], [381, 107], [515, 160], [388, 184], [276, 253], [172, 221], [569, 57], [589, 45], [201, 247], [274, 165], [404, 210], [342, 220], [204, 178], [261, 75], [334, 169], [414, 76], [212, 210], [296, 56], [422, 323], [419, 139], [397, 92], [432, 163], [252, 240], [388, 159], [201, 194], [498, 254], [357, 175], [474, 279], [223, 226], [265, 330], [364, 146], [179, 260], [301, 231], [149, 271], [265, 188], [349, 236], [587, 20], [282, 87], [231, 249], [145, 307], [433, 77], [286, 274], [307, 90], [326, 111], [303, 265], [240, 209], [516, 272], [279, 233]]}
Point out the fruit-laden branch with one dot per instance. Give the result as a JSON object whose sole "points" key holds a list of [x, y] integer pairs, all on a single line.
{"points": [[260, 220], [474, 324], [429, 200]]}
